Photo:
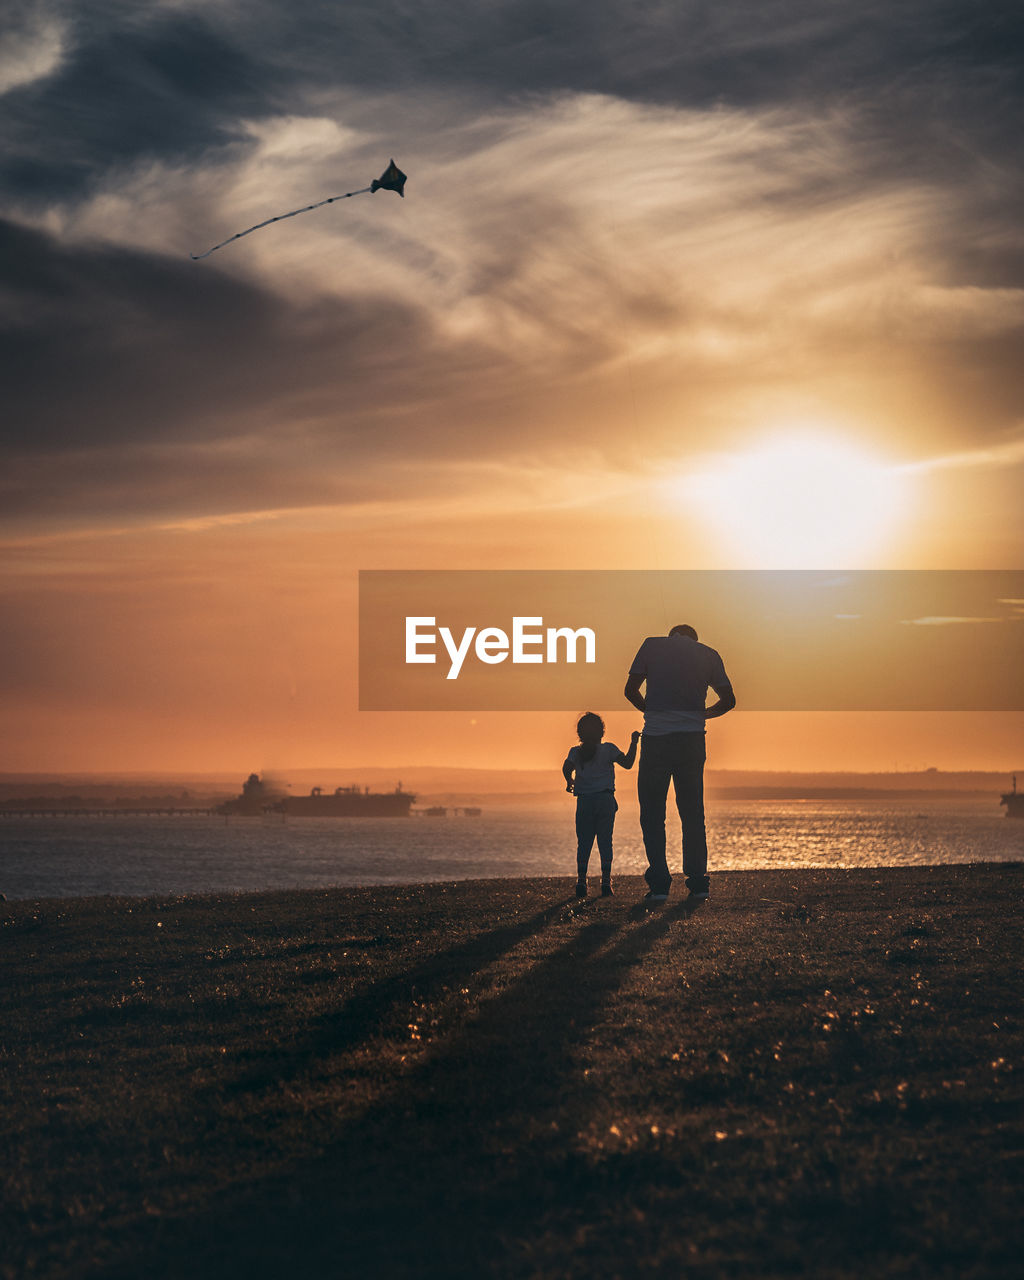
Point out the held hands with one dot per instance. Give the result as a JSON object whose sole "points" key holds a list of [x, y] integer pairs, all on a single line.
{"points": [[635, 736]]}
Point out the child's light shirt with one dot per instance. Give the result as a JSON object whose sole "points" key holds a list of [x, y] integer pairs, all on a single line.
{"points": [[597, 774]]}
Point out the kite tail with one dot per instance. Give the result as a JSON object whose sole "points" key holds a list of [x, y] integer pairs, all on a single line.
{"points": [[196, 257]]}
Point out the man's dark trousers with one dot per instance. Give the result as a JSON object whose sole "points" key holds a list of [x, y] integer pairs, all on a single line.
{"points": [[679, 757]]}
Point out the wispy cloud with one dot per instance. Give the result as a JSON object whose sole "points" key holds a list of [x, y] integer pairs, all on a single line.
{"points": [[944, 622], [595, 247], [1007, 453], [33, 42]]}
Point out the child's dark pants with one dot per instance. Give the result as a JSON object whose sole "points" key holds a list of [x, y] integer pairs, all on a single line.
{"points": [[595, 818]]}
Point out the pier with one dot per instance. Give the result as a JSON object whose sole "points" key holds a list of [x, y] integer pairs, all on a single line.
{"points": [[38, 811]]}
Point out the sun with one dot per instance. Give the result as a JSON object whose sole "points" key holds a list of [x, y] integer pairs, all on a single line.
{"points": [[800, 501]]}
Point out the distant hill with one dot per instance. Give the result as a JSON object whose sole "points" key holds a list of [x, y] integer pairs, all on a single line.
{"points": [[499, 786]]}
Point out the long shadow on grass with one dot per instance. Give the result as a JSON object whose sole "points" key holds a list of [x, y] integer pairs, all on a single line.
{"points": [[383, 1005], [450, 1176]]}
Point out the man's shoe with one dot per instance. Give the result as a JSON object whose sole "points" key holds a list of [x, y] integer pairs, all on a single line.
{"points": [[701, 895], [655, 899], [606, 889], [581, 888]]}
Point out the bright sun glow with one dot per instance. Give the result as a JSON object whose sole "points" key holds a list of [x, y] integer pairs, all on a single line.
{"points": [[800, 502]]}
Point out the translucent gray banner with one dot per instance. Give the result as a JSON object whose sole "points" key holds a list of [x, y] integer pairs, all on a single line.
{"points": [[510, 640]]}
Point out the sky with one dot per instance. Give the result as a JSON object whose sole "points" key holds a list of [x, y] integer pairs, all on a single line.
{"points": [[733, 285]]}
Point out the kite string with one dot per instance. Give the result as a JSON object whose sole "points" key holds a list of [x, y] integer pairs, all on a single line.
{"points": [[279, 218]]}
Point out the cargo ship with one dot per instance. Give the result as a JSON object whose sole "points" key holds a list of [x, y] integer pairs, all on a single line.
{"points": [[256, 798], [348, 802], [1014, 801], [343, 802]]}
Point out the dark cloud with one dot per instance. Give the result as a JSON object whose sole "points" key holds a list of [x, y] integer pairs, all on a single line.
{"points": [[103, 346], [119, 364], [697, 53], [156, 84], [144, 82], [121, 369]]}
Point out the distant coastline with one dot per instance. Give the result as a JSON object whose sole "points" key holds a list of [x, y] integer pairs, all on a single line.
{"points": [[493, 787]]}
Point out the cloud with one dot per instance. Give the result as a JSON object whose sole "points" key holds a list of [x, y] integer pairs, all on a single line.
{"points": [[1007, 453], [32, 46], [514, 274], [668, 226], [170, 81], [129, 86], [105, 345], [944, 622]]}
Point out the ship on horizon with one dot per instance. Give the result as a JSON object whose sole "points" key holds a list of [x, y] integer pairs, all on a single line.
{"points": [[1014, 801], [259, 797]]}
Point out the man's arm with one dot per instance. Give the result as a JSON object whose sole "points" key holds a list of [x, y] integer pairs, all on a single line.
{"points": [[637, 675], [633, 694], [726, 702]]}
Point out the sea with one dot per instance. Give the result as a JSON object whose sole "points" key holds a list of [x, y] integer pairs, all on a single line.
{"points": [[66, 857]]}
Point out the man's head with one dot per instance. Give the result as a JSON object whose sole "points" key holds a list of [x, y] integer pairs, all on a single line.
{"points": [[684, 629]]}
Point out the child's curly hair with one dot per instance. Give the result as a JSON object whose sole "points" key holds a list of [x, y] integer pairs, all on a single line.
{"points": [[589, 749]]}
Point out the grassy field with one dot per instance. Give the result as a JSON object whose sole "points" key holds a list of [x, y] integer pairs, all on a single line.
{"points": [[817, 1074]]}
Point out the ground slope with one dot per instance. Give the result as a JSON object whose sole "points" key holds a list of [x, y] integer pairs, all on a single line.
{"points": [[817, 1074]]}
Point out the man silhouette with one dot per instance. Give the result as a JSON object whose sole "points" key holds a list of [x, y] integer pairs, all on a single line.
{"points": [[678, 670]]}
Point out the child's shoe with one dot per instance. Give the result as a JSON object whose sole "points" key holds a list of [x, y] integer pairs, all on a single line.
{"points": [[606, 887], [581, 887]]}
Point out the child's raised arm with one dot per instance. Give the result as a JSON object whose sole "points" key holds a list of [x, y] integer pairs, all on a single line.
{"points": [[626, 761]]}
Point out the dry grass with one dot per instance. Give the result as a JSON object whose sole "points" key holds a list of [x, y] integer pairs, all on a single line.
{"points": [[818, 1074]]}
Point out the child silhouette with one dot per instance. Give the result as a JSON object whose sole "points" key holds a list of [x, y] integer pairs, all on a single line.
{"points": [[589, 772]]}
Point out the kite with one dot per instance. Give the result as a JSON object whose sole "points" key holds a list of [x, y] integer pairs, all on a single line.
{"points": [[392, 179]]}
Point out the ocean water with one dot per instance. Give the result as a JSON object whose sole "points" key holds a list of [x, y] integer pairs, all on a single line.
{"points": [[72, 857]]}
